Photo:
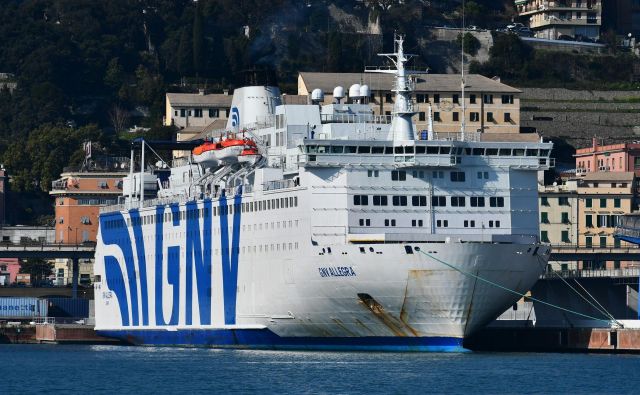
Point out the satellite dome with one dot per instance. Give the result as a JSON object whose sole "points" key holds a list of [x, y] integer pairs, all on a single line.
{"points": [[365, 91], [317, 95], [338, 92], [354, 91]]}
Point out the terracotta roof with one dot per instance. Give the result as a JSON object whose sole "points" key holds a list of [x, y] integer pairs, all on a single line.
{"points": [[384, 82]]}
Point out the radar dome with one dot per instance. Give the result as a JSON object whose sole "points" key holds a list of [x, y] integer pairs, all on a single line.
{"points": [[365, 91], [338, 92], [354, 91], [317, 95]]}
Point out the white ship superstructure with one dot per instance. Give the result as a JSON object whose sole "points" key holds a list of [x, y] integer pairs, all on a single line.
{"points": [[330, 234]]}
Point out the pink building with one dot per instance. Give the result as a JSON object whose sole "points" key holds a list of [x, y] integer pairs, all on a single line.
{"points": [[9, 268], [616, 158]]}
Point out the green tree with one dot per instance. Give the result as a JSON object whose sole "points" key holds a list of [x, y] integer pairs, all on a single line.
{"points": [[38, 269]]}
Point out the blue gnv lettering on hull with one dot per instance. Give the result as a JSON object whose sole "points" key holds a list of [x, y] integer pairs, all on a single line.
{"points": [[340, 271], [173, 267], [199, 258], [198, 255], [230, 255], [119, 236]]}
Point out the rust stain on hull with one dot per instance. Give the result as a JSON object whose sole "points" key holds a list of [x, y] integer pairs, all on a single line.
{"points": [[395, 325]]}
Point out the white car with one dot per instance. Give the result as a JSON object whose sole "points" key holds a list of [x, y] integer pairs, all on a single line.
{"points": [[515, 26]]}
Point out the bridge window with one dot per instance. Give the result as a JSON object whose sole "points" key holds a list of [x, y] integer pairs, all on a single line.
{"points": [[458, 201], [380, 200], [496, 202], [442, 223], [398, 175], [477, 201], [418, 223], [389, 222], [399, 200], [469, 224], [457, 176], [360, 200], [364, 222], [438, 201], [420, 201]]}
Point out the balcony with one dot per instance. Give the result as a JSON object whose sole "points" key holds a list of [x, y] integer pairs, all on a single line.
{"points": [[534, 7]]}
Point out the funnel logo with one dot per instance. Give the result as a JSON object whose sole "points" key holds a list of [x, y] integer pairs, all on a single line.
{"points": [[235, 116]]}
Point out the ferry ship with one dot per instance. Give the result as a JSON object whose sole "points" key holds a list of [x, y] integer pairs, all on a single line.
{"points": [[322, 227]]}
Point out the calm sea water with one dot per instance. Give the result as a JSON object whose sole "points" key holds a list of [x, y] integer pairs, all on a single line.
{"points": [[134, 370]]}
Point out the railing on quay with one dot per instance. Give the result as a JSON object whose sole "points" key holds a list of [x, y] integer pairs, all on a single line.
{"points": [[593, 273]]}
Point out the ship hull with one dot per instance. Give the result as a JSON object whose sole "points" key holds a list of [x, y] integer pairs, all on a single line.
{"points": [[264, 339]]}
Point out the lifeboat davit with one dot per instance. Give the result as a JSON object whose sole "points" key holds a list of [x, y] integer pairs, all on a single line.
{"points": [[249, 155], [205, 154]]}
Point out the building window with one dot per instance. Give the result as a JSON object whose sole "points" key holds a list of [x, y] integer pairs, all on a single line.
{"points": [[398, 175], [565, 218], [456, 99], [507, 117], [422, 98], [436, 98], [436, 117], [603, 203], [616, 203], [214, 113], [588, 241], [588, 203], [565, 236], [457, 176], [603, 241], [507, 99], [589, 221], [456, 117], [197, 112], [421, 116], [563, 201], [474, 117], [616, 242], [490, 117], [183, 113], [472, 99], [544, 201], [544, 236], [488, 99], [544, 218], [388, 98]]}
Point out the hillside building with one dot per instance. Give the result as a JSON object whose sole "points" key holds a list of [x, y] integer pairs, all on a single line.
{"points": [[602, 198], [624, 157], [553, 19], [491, 107], [559, 217]]}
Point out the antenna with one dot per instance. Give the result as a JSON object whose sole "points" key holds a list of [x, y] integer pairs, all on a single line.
{"points": [[462, 82]]}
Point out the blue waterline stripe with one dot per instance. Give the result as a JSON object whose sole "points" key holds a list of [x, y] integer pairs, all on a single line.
{"points": [[265, 339]]}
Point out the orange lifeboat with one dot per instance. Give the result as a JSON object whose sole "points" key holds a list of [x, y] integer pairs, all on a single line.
{"points": [[205, 154], [249, 155]]}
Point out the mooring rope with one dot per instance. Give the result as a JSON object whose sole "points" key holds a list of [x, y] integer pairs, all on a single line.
{"points": [[511, 290]]}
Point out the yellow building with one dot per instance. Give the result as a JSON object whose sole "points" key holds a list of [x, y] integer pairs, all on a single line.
{"points": [[554, 19], [602, 198], [491, 107], [559, 218]]}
